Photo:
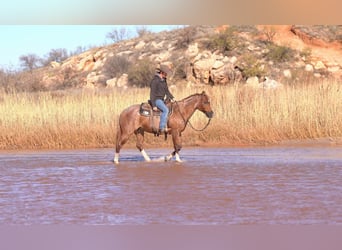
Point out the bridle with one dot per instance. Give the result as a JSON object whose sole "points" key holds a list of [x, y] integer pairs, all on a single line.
{"points": [[188, 121]]}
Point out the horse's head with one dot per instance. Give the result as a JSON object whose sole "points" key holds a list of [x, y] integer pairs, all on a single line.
{"points": [[204, 105]]}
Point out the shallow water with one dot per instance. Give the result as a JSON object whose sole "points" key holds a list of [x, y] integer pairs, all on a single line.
{"points": [[268, 185]]}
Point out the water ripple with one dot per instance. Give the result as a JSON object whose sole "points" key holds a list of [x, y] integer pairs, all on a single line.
{"points": [[213, 186]]}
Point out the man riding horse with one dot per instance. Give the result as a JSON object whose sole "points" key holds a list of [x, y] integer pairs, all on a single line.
{"points": [[131, 121], [158, 91]]}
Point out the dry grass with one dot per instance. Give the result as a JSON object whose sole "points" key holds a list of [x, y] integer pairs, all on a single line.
{"points": [[86, 119], [300, 112]]}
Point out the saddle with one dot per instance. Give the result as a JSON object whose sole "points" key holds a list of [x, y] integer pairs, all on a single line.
{"points": [[147, 110]]}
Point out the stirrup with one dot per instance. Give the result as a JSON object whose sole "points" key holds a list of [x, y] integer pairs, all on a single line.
{"points": [[164, 130]]}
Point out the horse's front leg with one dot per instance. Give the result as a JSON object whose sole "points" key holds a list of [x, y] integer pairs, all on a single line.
{"points": [[169, 157], [177, 144]]}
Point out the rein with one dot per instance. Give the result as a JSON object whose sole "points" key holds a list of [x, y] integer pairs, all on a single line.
{"points": [[188, 121]]}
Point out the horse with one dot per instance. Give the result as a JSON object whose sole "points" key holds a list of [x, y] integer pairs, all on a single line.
{"points": [[131, 121]]}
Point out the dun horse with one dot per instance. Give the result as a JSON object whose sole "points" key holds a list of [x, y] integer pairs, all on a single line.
{"points": [[131, 121]]}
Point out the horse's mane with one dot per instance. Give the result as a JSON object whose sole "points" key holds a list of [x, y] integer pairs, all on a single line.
{"points": [[189, 97]]}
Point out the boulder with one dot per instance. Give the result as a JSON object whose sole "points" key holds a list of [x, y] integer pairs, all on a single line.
{"points": [[270, 84]]}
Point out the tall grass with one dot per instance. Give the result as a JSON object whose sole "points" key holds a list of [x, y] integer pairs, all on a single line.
{"points": [[297, 112], [83, 119]]}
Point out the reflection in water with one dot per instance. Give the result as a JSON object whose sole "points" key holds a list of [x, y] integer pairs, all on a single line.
{"points": [[213, 186]]}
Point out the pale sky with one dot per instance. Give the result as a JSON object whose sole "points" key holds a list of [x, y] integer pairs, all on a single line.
{"points": [[18, 40]]}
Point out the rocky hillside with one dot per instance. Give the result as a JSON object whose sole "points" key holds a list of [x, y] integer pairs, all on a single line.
{"points": [[215, 55]]}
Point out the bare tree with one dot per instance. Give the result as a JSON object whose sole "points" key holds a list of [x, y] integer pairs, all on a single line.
{"points": [[78, 51], [57, 55], [118, 34], [269, 32], [29, 61], [142, 31]]}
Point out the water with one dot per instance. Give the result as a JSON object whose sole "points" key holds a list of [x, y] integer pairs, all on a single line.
{"points": [[213, 186]]}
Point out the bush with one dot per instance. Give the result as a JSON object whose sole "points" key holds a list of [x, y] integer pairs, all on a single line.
{"points": [[306, 53], [225, 41], [143, 31], [252, 66], [186, 36], [116, 66], [278, 53], [180, 71], [140, 75], [269, 32], [181, 67], [27, 81]]}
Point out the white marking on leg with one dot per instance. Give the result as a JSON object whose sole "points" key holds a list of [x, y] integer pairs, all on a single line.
{"points": [[178, 158], [168, 157], [144, 154], [116, 158]]}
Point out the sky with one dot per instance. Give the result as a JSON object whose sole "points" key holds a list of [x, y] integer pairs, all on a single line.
{"points": [[18, 40]]}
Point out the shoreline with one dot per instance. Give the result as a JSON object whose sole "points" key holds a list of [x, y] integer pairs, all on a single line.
{"points": [[317, 142]]}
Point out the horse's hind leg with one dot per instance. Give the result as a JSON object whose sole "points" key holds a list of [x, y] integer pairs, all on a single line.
{"points": [[140, 143], [121, 139]]}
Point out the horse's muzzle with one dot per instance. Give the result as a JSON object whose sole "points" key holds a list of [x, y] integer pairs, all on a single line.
{"points": [[209, 114]]}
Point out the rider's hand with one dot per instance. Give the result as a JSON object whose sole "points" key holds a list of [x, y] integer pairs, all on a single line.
{"points": [[155, 109]]}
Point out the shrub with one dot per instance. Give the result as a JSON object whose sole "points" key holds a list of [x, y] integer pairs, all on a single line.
{"points": [[269, 32], [279, 53], [70, 79], [140, 75], [186, 36], [224, 41], [116, 66], [306, 53], [180, 71], [252, 66], [143, 31], [181, 67]]}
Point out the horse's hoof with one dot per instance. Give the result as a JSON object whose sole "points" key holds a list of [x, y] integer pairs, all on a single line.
{"points": [[168, 158]]}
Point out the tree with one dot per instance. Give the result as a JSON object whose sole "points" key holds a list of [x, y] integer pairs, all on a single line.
{"points": [[57, 55], [78, 51], [29, 61], [142, 31], [118, 34]]}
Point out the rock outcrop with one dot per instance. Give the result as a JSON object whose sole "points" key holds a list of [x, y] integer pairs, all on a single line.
{"points": [[203, 64]]}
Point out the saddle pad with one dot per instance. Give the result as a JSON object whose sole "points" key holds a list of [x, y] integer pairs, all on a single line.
{"points": [[146, 110]]}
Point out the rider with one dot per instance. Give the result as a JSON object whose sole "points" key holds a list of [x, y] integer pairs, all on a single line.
{"points": [[158, 91]]}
